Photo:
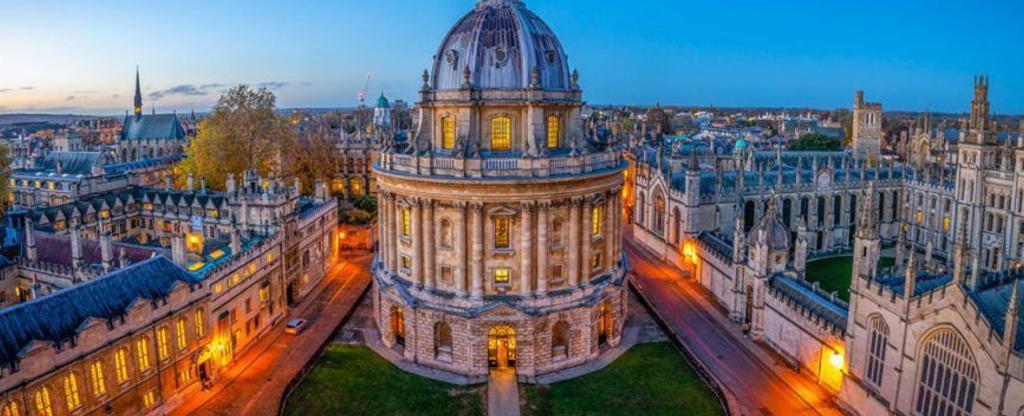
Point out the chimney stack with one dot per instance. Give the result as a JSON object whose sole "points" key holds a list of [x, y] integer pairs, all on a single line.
{"points": [[30, 241], [191, 183], [178, 250], [236, 241], [107, 251], [76, 248]]}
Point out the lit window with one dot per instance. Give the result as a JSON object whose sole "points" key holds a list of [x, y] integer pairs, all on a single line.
{"points": [[99, 387], [501, 133], [105, 214], [265, 294], [595, 220], [200, 324], [218, 288], [596, 261], [919, 217], [406, 222], [554, 128], [121, 365], [71, 391], [406, 262], [501, 232], [945, 224], [502, 276], [236, 278], [142, 350], [161, 343], [147, 206], [212, 213], [11, 408], [179, 329], [448, 133], [149, 399], [43, 406]]}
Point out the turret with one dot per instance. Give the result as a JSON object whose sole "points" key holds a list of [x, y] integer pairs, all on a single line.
{"points": [[800, 249], [910, 276], [30, 241], [190, 183], [107, 251], [1012, 319], [739, 243], [76, 249], [229, 183]]}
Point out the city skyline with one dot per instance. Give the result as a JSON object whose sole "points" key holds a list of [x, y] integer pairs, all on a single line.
{"points": [[79, 58]]}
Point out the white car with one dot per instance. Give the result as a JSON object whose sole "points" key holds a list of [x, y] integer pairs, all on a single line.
{"points": [[295, 326]]}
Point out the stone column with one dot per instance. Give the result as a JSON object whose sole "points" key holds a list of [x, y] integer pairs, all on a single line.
{"points": [[574, 244], [460, 248], [587, 242], [392, 235], [526, 250], [417, 244], [478, 251], [542, 249], [429, 244], [609, 231], [382, 230]]}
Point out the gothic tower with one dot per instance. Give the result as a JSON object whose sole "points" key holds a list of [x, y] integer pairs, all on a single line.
{"points": [[867, 128], [138, 96]]}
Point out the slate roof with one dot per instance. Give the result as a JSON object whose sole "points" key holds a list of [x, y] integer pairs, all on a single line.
{"points": [[138, 195], [804, 294], [925, 282], [60, 316], [142, 164], [71, 163], [152, 127], [56, 249], [993, 303]]}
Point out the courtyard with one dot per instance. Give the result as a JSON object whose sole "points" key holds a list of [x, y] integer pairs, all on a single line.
{"points": [[353, 380], [649, 379], [834, 273]]}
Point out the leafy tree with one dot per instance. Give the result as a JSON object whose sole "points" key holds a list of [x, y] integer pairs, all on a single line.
{"points": [[816, 142], [310, 156], [366, 203], [243, 131], [357, 217]]}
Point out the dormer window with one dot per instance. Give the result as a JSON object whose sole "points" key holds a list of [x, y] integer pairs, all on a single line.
{"points": [[501, 133]]}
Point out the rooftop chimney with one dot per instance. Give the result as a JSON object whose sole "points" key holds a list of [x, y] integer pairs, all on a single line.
{"points": [[107, 251], [178, 250]]}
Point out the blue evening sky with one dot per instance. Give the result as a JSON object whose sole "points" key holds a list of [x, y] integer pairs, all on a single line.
{"points": [[80, 56]]}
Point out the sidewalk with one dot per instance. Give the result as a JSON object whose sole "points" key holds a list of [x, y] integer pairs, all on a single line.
{"points": [[256, 384], [503, 393]]}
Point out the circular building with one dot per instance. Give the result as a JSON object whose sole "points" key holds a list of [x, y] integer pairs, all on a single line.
{"points": [[499, 216]]}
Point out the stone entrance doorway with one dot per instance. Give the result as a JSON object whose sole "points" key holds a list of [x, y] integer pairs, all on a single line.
{"points": [[604, 324], [501, 347], [398, 325]]}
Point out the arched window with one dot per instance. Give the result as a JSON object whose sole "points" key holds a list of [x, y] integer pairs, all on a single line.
{"points": [[99, 386], [161, 343], [448, 132], [200, 323], [179, 333], [946, 375], [121, 365], [878, 338], [595, 220], [659, 213], [678, 220], [71, 397], [11, 409], [142, 353], [443, 341], [406, 219], [641, 208], [42, 400], [501, 133], [560, 340], [502, 233], [749, 216], [446, 233], [554, 129]]}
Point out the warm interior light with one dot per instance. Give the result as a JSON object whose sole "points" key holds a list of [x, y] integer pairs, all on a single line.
{"points": [[836, 360], [690, 252]]}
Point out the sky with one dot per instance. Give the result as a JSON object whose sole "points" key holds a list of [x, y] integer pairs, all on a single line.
{"points": [[80, 56]]}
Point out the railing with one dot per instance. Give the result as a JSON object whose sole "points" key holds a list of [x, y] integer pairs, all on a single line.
{"points": [[514, 166]]}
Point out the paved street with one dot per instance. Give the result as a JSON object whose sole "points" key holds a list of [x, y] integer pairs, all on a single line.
{"points": [[757, 382], [256, 384]]}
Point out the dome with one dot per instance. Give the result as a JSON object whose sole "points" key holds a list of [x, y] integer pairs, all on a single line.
{"points": [[741, 144], [382, 102], [776, 233], [501, 42]]}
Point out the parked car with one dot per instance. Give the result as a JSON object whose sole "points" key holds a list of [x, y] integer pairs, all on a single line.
{"points": [[295, 326]]}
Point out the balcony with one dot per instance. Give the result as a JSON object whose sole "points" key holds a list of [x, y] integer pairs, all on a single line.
{"points": [[504, 165]]}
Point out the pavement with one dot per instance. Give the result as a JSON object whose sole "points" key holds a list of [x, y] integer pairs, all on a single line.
{"points": [[503, 393], [257, 383], [755, 381]]}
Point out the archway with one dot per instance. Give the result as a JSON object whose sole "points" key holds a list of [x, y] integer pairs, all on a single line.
{"points": [[604, 324], [398, 325], [501, 347], [293, 292]]}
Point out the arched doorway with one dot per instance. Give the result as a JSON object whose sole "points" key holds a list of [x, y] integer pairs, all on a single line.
{"points": [[501, 347], [293, 292], [604, 323], [398, 325]]}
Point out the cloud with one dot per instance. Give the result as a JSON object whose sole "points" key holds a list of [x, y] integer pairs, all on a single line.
{"points": [[70, 98], [273, 85], [85, 92], [3, 90], [185, 90]]}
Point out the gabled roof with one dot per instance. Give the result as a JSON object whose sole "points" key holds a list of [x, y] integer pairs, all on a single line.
{"points": [[152, 127], [61, 315]]}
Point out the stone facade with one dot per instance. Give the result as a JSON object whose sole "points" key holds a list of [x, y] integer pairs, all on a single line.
{"points": [[500, 219], [867, 129]]}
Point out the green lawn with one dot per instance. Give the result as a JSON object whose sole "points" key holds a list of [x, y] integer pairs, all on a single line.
{"points": [[355, 381], [834, 273], [650, 379]]}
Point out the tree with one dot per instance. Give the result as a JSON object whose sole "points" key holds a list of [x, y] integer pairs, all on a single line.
{"points": [[243, 131], [309, 157], [816, 142]]}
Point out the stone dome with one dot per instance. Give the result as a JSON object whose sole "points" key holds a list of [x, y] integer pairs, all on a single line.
{"points": [[501, 42], [776, 232]]}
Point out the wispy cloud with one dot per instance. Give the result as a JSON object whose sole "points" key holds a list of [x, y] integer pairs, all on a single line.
{"points": [[273, 85], [85, 92], [185, 89], [70, 98], [3, 90]]}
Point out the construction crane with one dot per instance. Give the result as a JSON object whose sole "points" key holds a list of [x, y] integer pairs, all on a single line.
{"points": [[362, 94]]}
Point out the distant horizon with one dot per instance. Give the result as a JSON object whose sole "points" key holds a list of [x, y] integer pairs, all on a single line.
{"points": [[77, 57]]}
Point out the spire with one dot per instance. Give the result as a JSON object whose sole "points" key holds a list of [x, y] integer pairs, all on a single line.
{"points": [[1012, 320], [138, 95], [867, 226], [910, 276]]}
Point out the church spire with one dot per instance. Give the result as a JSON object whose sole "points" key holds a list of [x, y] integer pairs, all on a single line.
{"points": [[1012, 319], [138, 95]]}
